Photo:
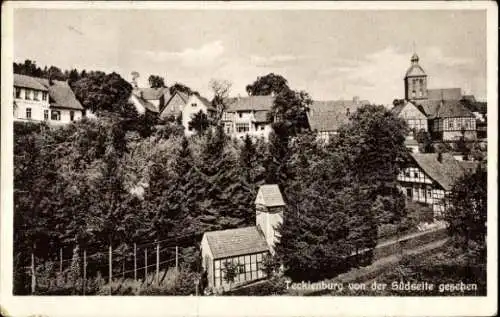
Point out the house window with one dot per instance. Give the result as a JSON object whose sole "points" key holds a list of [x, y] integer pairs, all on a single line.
{"points": [[409, 192], [55, 115], [27, 94], [413, 93], [44, 95], [242, 127], [18, 93], [240, 114], [46, 115], [415, 174], [262, 128], [193, 105], [28, 113], [450, 124], [72, 116], [35, 95]]}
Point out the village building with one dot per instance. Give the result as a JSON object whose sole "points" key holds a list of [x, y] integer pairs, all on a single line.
{"points": [[441, 112], [248, 116], [245, 247], [194, 105], [326, 117], [39, 99], [150, 99], [174, 106], [428, 179]]}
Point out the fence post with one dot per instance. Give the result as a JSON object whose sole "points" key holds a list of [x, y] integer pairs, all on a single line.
{"points": [[84, 271], [157, 262], [146, 265], [33, 279], [110, 264], [135, 262], [176, 258], [60, 260]]}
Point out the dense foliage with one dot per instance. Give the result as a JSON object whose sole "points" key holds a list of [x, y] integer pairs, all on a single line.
{"points": [[338, 195]]}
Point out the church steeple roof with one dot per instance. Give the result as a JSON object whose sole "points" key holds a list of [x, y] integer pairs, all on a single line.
{"points": [[415, 69]]}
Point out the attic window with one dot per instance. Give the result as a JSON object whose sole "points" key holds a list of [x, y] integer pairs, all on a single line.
{"points": [[194, 105]]}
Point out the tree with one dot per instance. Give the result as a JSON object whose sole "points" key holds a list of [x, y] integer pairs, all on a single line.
{"points": [[221, 93], [102, 92], [267, 85], [290, 108], [425, 142], [179, 87], [467, 214], [156, 81], [461, 146], [199, 122]]}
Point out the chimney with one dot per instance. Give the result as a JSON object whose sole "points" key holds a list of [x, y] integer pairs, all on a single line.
{"points": [[347, 112], [141, 93]]}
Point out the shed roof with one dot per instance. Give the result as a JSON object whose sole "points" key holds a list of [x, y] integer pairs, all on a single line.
{"points": [[271, 195], [236, 242], [28, 82], [445, 173]]}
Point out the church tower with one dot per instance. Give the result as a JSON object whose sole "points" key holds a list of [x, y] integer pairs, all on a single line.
{"points": [[415, 81]]}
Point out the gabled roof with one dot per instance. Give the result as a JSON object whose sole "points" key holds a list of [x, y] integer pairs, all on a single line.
{"points": [[144, 103], [271, 195], [250, 103], [28, 82], [62, 96], [445, 173], [236, 242], [330, 115], [444, 93], [445, 109], [60, 93], [452, 108]]}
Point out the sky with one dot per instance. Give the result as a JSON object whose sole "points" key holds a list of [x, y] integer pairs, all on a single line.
{"points": [[331, 54]]}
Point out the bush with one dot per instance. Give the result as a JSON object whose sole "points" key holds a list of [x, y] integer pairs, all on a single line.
{"points": [[171, 283]]}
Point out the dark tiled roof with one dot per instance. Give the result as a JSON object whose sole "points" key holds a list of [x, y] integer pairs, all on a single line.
{"points": [[61, 95], [272, 195], [28, 82], [445, 109], [207, 103], [452, 108], [146, 104], [396, 110], [330, 115], [444, 93], [250, 103], [445, 173], [235, 242]]}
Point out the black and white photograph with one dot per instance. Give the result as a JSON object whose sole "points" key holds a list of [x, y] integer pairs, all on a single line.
{"points": [[248, 151]]}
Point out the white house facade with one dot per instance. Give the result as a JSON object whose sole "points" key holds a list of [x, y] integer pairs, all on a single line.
{"points": [[38, 99]]}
